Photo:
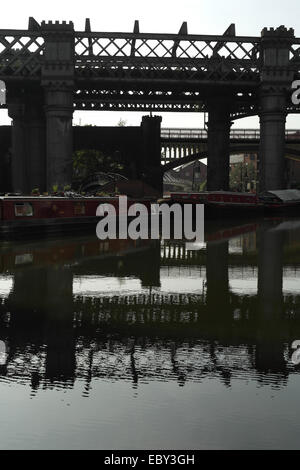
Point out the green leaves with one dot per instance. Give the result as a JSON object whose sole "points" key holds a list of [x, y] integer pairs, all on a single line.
{"points": [[86, 162]]}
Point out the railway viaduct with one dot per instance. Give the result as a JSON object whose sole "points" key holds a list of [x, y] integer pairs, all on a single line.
{"points": [[50, 70]]}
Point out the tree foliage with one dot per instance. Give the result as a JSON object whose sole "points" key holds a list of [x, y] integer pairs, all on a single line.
{"points": [[122, 123], [242, 176], [87, 162]]}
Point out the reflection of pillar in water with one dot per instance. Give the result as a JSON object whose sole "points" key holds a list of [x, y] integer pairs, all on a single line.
{"points": [[270, 342], [27, 318], [26, 303], [42, 313], [150, 267], [217, 281], [60, 339], [270, 260]]}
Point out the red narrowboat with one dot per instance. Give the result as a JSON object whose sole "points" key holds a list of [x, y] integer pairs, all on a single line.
{"points": [[221, 203], [21, 215]]}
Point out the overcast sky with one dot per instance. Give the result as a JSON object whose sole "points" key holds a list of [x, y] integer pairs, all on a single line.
{"points": [[161, 16]]}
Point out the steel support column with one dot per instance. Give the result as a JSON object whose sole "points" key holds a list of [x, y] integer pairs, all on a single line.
{"points": [[59, 140], [219, 124], [152, 151], [58, 82], [276, 79], [272, 141], [19, 178], [36, 145]]}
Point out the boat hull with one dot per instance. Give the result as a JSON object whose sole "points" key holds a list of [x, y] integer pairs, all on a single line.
{"points": [[22, 217], [221, 205]]}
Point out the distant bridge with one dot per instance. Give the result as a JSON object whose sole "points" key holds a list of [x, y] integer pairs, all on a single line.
{"points": [[181, 145]]}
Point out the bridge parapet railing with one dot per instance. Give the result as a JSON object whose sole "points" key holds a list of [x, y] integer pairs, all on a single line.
{"points": [[251, 134], [21, 53], [189, 57], [166, 45]]}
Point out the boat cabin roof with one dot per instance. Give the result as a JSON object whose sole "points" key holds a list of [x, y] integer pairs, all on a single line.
{"points": [[54, 198], [284, 195], [227, 193]]}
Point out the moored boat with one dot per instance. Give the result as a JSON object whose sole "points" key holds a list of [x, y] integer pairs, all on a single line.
{"points": [[284, 201], [28, 215], [221, 203]]}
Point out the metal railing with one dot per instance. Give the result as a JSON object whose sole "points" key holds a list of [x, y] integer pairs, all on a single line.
{"points": [[194, 133]]}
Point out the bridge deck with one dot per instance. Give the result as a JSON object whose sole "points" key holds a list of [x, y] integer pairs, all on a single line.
{"points": [[193, 134]]}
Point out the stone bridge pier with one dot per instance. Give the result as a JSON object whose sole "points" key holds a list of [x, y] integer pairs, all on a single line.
{"points": [[42, 113], [276, 80], [18, 157], [151, 151], [274, 94], [218, 162]]}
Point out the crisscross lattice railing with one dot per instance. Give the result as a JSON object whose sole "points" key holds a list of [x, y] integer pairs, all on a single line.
{"points": [[156, 56], [20, 53], [143, 57]]}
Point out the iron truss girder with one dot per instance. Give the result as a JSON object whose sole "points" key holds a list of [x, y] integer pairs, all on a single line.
{"points": [[139, 106], [163, 100], [160, 100], [197, 71]]}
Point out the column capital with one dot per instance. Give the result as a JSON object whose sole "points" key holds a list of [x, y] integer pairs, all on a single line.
{"points": [[59, 101], [273, 100]]}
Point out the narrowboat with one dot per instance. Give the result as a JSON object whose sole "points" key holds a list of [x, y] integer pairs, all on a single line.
{"points": [[285, 201], [221, 203], [29, 215]]}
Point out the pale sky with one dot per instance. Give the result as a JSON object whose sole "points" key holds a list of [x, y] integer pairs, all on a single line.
{"points": [[160, 16]]}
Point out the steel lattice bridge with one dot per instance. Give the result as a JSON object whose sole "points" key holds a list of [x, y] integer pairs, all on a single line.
{"points": [[139, 71], [50, 70]]}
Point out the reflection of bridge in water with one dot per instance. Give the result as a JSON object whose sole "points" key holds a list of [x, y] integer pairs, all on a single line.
{"points": [[56, 336], [146, 360]]}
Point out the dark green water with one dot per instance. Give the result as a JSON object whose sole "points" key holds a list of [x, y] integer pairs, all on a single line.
{"points": [[146, 345]]}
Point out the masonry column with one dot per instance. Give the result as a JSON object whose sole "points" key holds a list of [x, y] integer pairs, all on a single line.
{"points": [[272, 140], [218, 161], [36, 141], [59, 139], [58, 82], [151, 143], [276, 79], [19, 181]]}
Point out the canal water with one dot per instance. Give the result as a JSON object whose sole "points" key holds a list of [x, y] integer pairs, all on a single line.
{"points": [[147, 345]]}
